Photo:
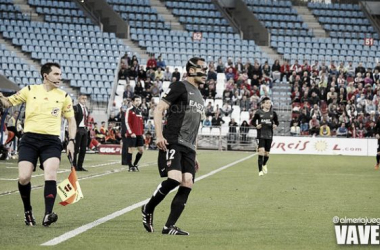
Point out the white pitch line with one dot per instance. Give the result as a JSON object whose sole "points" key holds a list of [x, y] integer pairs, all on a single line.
{"points": [[84, 228]]}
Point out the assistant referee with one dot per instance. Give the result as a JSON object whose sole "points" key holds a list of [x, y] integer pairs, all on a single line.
{"points": [[45, 105]]}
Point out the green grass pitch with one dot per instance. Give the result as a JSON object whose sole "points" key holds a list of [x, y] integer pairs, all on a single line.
{"points": [[289, 208]]}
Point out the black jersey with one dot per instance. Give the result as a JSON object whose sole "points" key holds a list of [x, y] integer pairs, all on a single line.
{"points": [[266, 119], [184, 114]]}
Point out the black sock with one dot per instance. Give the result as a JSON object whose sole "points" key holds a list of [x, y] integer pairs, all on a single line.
{"points": [[129, 159], [378, 159], [50, 193], [25, 195], [138, 157], [163, 189], [265, 160], [178, 205], [260, 161]]}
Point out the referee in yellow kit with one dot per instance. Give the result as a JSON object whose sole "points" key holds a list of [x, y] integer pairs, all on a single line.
{"points": [[45, 105]]}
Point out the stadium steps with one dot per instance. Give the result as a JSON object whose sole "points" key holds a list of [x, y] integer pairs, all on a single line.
{"points": [[271, 53], [18, 52], [311, 21], [281, 102], [135, 48], [28, 10], [167, 15]]}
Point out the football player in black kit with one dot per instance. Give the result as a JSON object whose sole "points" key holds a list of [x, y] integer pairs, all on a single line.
{"points": [[265, 120], [177, 158]]}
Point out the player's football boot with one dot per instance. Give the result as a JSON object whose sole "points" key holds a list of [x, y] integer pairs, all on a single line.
{"points": [[261, 173], [147, 220], [173, 230], [265, 169], [49, 219], [29, 218], [136, 168]]}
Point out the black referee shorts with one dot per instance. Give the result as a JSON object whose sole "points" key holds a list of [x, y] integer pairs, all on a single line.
{"points": [[33, 146], [177, 157], [266, 144], [138, 141]]}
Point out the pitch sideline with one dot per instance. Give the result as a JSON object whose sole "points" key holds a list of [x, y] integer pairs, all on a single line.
{"points": [[84, 228]]}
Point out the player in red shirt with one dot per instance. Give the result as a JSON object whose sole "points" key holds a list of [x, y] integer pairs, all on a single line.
{"points": [[135, 130]]}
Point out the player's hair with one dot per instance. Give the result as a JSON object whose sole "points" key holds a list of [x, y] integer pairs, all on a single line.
{"points": [[192, 63], [46, 68], [265, 99], [136, 97]]}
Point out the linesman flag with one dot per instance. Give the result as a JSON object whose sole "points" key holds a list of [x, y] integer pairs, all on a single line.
{"points": [[69, 190]]}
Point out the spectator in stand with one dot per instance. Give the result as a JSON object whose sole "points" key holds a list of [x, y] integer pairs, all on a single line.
{"points": [[230, 74], [151, 63], [304, 119], [244, 130], [203, 88], [227, 96], [249, 69], [333, 69], [217, 121], [167, 75], [123, 74], [314, 99], [305, 78], [212, 89], [265, 91], [176, 74], [371, 130], [295, 130], [350, 70], [220, 66], [314, 126], [376, 76], [161, 63], [342, 130], [226, 109], [276, 70], [285, 71], [142, 74], [368, 79], [267, 74], [149, 126], [325, 130], [207, 122], [211, 74], [128, 93], [134, 59], [257, 71], [134, 70], [209, 110], [159, 74], [139, 90], [111, 135], [316, 111], [352, 131], [370, 106], [360, 69], [239, 67], [244, 104], [361, 131], [296, 67]]}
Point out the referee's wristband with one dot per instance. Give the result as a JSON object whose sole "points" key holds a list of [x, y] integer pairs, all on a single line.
{"points": [[73, 140]]}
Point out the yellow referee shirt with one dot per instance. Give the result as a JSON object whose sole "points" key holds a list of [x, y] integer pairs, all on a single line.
{"points": [[43, 109]]}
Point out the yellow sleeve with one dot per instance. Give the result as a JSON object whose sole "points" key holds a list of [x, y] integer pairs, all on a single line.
{"points": [[67, 110], [20, 97]]}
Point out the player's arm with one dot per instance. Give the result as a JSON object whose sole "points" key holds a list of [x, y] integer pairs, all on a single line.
{"points": [[128, 122], [275, 120], [254, 121], [158, 115]]}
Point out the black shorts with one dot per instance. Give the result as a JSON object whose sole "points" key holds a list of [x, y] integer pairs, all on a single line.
{"points": [[177, 157], [33, 146], [266, 144], [138, 141]]}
